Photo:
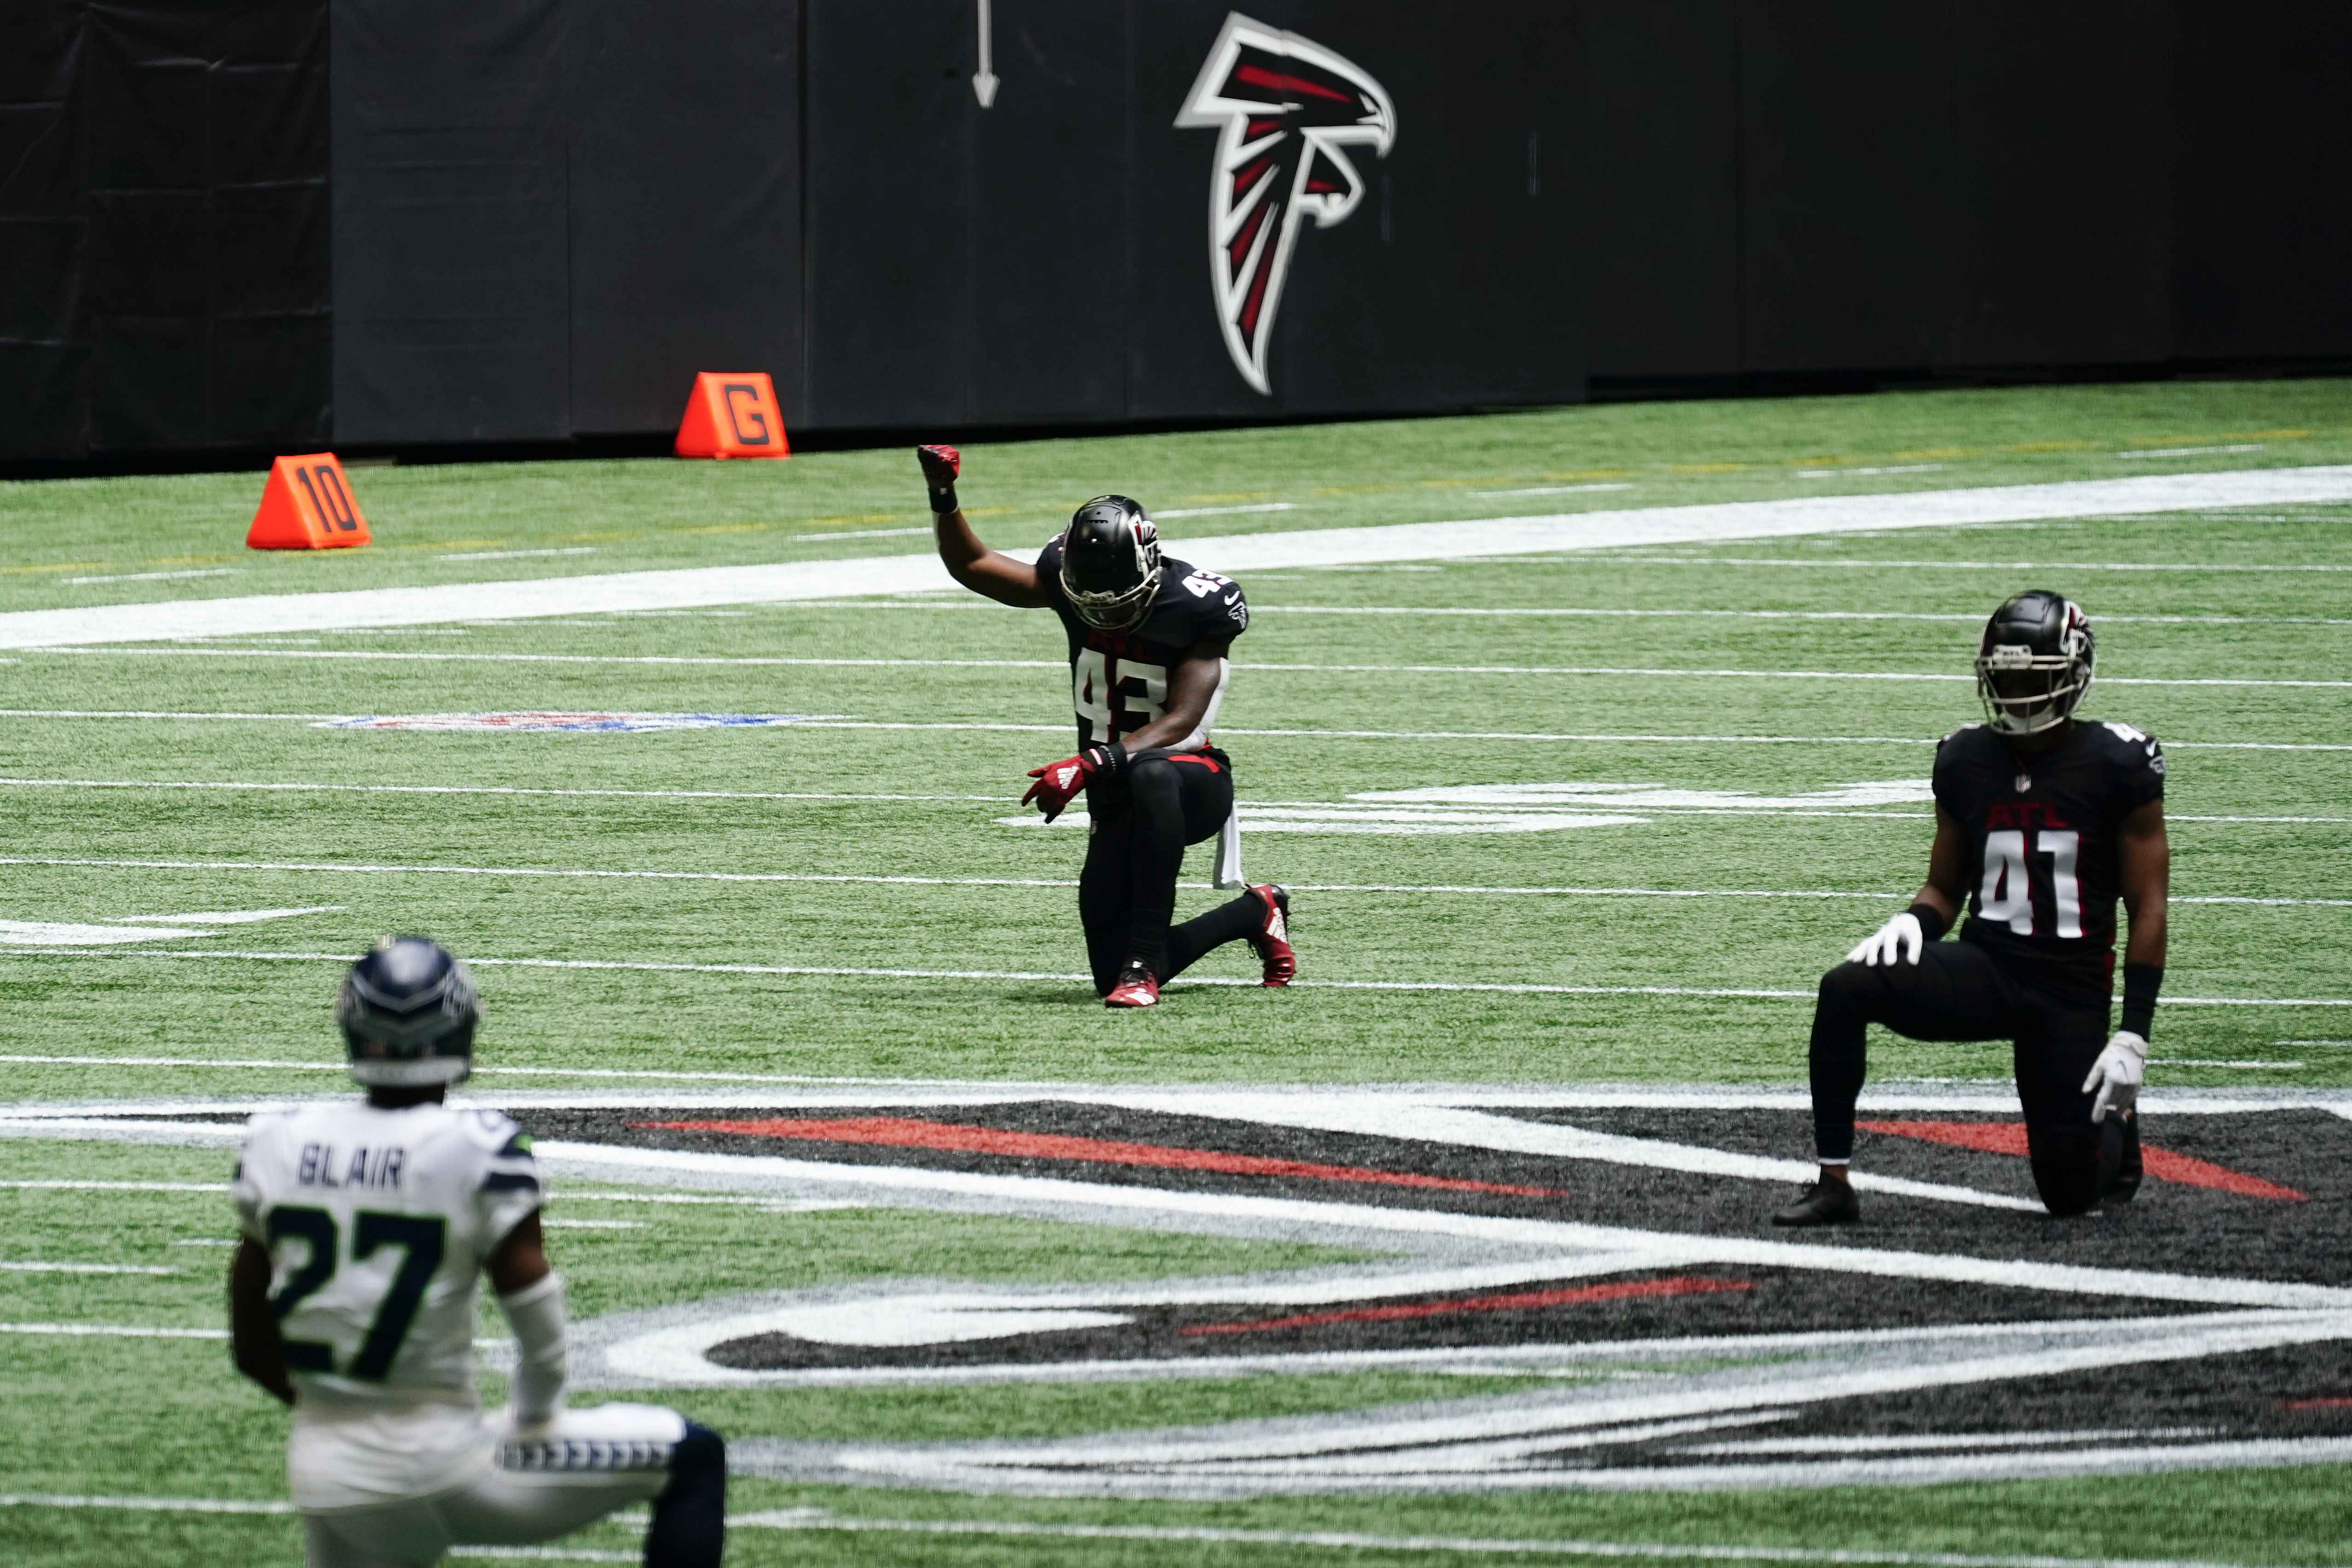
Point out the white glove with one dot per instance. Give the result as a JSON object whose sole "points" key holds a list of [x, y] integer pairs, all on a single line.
{"points": [[1900, 936], [2117, 1074]]}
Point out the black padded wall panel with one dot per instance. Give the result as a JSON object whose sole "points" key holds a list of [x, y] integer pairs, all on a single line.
{"points": [[1048, 260], [162, 226], [44, 229], [682, 173], [2059, 217], [890, 108], [1657, 220], [2259, 176], [1845, 115], [451, 222]]}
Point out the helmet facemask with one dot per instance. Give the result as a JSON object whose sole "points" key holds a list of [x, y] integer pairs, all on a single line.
{"points": [[1110, 563], [2035, 664]]}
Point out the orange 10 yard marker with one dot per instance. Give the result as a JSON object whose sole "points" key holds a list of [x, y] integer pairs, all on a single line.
{"points": [[306, 505]]}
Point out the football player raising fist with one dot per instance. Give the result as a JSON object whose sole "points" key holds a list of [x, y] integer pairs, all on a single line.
{"points": [[1148, 637]]}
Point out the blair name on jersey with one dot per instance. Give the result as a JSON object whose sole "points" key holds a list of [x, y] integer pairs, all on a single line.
{"points": [[366, 1167]]}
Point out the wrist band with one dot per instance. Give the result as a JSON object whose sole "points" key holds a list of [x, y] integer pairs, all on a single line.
{"points": [[2141, 983], [1113, 758], [943, 500], [1932, 923]]}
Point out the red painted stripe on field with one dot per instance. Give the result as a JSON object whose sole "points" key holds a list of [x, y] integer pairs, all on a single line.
{"points": [[2163, 1165], [905, 1133], [1681, 1285], [2336, 1402]]}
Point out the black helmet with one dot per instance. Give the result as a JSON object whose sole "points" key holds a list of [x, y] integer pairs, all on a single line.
{"points": [[1110, 562], [408, 1010], [2034, 663]]}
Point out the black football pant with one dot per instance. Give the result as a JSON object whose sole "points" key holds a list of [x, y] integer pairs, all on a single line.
{"points": [[1958, 991], [1127, 894]]}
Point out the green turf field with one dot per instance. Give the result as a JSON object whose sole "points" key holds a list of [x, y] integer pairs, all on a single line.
{"points": [[654, 903]]}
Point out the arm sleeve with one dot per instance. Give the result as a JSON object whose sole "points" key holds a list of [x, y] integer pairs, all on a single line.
{"points": [[536, 1314]]}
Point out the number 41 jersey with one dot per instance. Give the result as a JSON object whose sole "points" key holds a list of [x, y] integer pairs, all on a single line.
{"points": [[377, 1224], [2042, 843], [1119, 680]]}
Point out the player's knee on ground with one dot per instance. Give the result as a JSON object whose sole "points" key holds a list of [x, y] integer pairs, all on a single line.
{"points": [[690, 1523], [2065, 1167]]}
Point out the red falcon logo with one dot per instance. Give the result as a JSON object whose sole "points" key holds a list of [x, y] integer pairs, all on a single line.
{"points": [[1288, 110]]}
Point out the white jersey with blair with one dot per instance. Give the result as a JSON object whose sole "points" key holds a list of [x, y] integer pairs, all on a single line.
{"points": [[377, 1224]]}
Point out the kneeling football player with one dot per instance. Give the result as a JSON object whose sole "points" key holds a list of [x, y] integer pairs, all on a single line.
{"points": [[367, 1227], [2043, 822], [1148, 637]]}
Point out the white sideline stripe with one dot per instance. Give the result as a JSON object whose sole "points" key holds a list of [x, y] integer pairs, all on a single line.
{"points": [[1981, 565], [1231, 555], [143, 1504], [397, 655], [306, 787], [803, 1518], [844, 972], [1263, 610], [111, 1332], [70, 1186], [1315, 735], [871, 879], [1479, 1545], [35, 1266]]}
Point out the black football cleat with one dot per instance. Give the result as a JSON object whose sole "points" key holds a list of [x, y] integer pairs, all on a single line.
{"points": [[1272, 939], [2119, 1160], [1136, 988], [1825, 1202]]}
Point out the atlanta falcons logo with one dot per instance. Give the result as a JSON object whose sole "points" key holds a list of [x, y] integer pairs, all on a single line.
{"points": [[1286, 109]]}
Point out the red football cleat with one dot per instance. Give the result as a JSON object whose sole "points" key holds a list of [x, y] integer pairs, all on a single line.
{"points": [[1273, 939], [1136, 988]]}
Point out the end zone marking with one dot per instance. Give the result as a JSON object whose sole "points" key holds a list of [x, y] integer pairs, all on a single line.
{"points": [[1516, 1301]]}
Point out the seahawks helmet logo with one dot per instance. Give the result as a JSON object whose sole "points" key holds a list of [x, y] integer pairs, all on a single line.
{"points": [[1286, 111]]}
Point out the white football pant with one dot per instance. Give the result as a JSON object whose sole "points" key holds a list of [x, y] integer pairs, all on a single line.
{"points": [[587, 1464]]}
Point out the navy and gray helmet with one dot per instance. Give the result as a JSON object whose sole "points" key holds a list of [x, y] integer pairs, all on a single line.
{"points": [[1110, 563], [408, 1011], [2034, 662]]}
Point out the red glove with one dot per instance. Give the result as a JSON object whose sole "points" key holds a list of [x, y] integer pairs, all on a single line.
{"points": [[940, 465], [1058, 783]]}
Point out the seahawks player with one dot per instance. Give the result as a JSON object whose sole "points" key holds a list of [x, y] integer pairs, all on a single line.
{"points": [[2043, 822], [352, 1299], [1147, 640]]}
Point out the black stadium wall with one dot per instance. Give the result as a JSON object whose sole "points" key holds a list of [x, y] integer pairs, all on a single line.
{"points": [[248, 224]]}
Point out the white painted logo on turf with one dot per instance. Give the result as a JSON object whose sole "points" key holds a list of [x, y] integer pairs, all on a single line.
{"points": [[1286, 111], [139, 928]]}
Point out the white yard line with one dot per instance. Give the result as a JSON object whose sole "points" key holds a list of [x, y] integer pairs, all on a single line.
{"points": [[977, 726], [813, 1519], [390, 655], [1233, 554], [869, 878], [110, 1332], [861, 972], [30, 1265], [313, 786], [1978, 565]]}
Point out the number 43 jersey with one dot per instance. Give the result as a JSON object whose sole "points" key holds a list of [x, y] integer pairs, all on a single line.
{"points": [[1119, 680], [2042, 843], [377, 1224]]}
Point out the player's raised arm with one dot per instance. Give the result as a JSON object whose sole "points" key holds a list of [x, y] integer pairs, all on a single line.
{"points": [[968, 560]]}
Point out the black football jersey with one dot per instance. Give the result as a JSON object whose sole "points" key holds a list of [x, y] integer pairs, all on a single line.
{"points": [[1119, 680], [2043, 842]]}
